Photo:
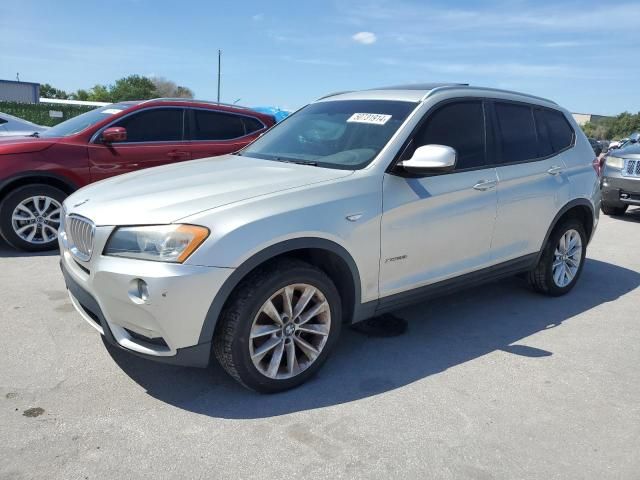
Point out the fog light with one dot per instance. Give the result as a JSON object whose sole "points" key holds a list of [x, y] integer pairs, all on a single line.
{"points": [[138, 291], [143, 290]]}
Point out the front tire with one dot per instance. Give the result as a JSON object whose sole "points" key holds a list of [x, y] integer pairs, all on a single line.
{"points": [[562, 260], [279, 326], [613, 211], [30, 217]]}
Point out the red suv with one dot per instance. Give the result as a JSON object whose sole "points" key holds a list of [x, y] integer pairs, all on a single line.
{"points": [[39, 171]]}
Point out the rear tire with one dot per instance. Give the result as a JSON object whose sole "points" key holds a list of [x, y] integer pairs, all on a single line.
{"points": [[562, 260], [270, 344], [613, 211], [30, 217]]}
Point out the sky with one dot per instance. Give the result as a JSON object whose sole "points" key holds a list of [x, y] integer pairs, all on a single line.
{"points": [[582, 54]]}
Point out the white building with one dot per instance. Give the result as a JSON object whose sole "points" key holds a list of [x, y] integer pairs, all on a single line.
{"points": [[14, 91]]}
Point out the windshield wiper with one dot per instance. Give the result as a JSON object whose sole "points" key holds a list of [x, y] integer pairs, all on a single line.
{"points": [[297, 162], [34, 134]]}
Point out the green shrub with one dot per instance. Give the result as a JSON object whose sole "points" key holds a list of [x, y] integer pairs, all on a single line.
{"points": [[39, 112]]}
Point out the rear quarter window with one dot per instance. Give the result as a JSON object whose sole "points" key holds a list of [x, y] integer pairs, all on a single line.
{"points": [[560, 131], [251, 125]]}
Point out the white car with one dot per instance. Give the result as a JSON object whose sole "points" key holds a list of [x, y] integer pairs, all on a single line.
{"points": [[357, 204], [14, 126]]}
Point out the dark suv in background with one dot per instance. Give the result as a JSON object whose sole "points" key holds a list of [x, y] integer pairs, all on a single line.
{"points": [[621, 180], [39, 171]]}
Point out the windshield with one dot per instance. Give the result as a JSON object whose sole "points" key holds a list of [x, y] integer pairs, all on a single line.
{"points": [[345, 134], [79, 123]]}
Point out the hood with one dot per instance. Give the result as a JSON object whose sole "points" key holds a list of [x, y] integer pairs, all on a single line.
{"points": [[12, 144], [632, 151], [166, 194]]}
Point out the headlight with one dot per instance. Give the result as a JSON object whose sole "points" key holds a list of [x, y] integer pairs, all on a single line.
{"points": [[615, 162], [161, 243]]}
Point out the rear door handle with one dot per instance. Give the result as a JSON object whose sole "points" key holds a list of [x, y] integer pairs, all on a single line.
{"points": [[555, 170], [178, 154], [483, 185]]}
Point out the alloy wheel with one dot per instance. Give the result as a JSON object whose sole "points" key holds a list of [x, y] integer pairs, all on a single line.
{"points": [[36, 219], [290, 331], [567, 258]]}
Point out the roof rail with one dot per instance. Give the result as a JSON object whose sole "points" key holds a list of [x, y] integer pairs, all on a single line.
{"points": [[334, 94], [421, 86], [497, 90], [208, 102]]}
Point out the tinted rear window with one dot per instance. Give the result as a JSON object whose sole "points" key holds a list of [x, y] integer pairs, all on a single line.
{"points": [[517, 132], [544, 140], [209, 125]]}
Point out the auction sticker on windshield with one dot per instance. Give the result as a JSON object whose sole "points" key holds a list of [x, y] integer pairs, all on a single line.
{"points": [[371, 118]]}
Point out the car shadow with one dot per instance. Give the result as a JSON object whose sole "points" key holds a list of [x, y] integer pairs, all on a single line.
{"points": [[632, 215], [7, 251], [441, 334]]}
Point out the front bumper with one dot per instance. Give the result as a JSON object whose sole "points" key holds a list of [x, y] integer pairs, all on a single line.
{"points": [[618, 191], [164, 327]]}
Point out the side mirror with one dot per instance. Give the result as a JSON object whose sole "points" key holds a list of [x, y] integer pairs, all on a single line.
{"points": [[114, 134], [430, 159]]}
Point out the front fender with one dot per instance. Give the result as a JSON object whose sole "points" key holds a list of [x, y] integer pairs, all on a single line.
{"points": [[264, 255]]}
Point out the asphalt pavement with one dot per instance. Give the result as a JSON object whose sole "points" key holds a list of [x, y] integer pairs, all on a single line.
{"points": [[495, 382]]}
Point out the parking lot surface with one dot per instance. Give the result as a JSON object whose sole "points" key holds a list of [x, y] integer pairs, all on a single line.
{"points": [[496, 382]]}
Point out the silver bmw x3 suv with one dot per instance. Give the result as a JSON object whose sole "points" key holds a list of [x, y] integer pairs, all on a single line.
{"points": [[359, 203]]}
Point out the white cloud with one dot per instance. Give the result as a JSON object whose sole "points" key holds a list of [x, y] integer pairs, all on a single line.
{"points": [[365, 38]]}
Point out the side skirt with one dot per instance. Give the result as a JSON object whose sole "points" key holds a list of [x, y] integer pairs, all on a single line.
{"points": [[445, 287]]}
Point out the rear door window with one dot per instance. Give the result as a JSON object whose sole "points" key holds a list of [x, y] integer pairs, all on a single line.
{"points": [[210, 125], [516, 132], [545, 147], [153, 125], [461, 126]]}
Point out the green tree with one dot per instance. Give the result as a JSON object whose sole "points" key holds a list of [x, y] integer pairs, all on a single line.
{"points": [[613, 128], [133, 87], [48, 91], [80, 95], [100, 93]]}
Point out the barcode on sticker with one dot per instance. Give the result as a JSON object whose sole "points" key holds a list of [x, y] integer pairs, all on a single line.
{"points": [[372, 118]]}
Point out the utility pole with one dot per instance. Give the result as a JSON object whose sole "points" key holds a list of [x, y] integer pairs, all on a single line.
{"points": [[219, 55]]}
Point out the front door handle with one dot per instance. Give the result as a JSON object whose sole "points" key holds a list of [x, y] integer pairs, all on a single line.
{"points": [[483, 185], [555, 170]]}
